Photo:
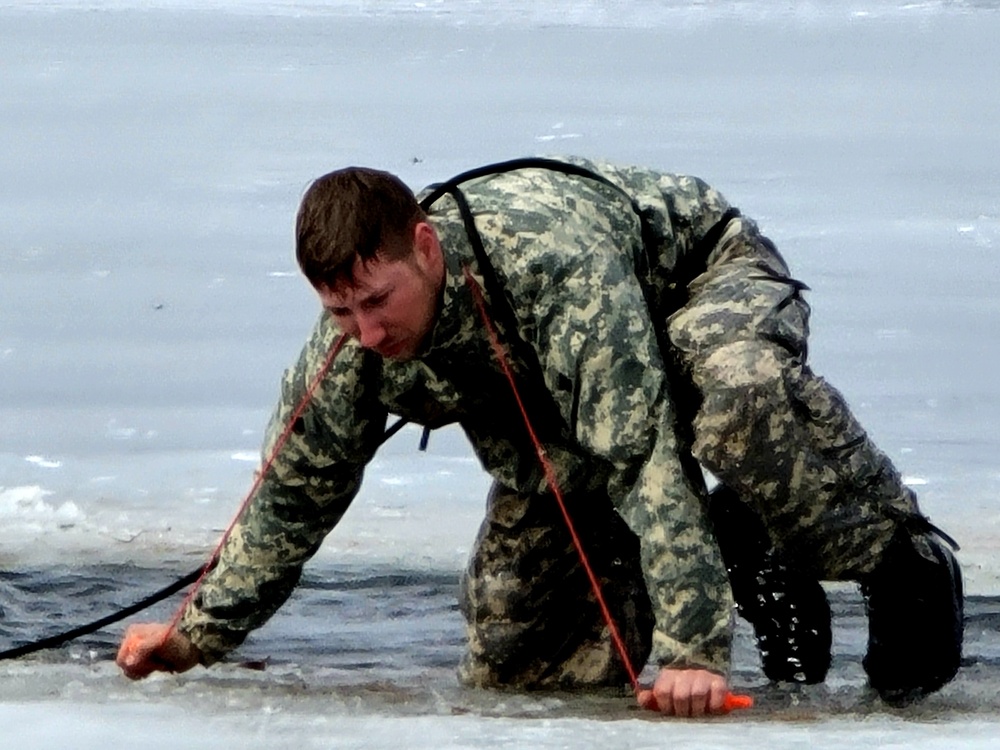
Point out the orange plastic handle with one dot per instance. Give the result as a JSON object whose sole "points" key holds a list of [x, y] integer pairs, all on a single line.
{"points": [[732, 702], [735, 701]]}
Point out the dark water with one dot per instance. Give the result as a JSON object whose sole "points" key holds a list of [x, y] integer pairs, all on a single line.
{"points": [[394, 637]]}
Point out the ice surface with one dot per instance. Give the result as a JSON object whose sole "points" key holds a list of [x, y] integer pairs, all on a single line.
{"points": [[97, 726]]}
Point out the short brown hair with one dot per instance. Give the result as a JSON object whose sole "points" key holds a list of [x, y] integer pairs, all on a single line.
{"points": [[353, 213]]}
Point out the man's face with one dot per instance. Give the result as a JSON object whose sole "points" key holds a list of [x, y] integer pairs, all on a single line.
{"points": [[391, 305]]}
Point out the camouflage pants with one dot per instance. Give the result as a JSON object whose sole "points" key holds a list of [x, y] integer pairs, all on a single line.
{"points": [[772, 430], [533, 620]]}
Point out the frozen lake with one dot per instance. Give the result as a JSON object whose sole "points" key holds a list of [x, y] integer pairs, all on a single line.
{"points": [[153, 155]]}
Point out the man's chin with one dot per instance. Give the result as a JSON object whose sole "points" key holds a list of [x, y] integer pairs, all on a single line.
{"points": [[397, 353]]}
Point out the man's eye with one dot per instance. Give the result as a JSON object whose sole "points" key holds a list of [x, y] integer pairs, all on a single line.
{"points": [[373, 303]]}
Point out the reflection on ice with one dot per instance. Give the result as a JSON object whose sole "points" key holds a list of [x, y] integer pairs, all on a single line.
{"points": [[41, 461]]}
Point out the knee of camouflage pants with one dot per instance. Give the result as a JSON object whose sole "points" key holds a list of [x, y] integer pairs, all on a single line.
{"points": [[532, 617], [776, 433], [787, 443]]}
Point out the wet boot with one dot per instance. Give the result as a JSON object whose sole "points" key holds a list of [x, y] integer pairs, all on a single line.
{"points": [[915, 619], [789, 611]]}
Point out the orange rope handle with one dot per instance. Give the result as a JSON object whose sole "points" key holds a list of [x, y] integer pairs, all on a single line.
{"points": [[258, 480]]}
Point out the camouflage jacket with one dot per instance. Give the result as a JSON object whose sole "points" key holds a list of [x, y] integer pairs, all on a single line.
{"points": [[569, 254]]}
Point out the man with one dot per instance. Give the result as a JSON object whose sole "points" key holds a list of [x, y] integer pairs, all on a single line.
{"points": [[650, 330]]}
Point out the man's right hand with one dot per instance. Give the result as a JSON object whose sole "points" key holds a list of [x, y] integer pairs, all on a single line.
{"points": [[686, 692], [155, 647]]}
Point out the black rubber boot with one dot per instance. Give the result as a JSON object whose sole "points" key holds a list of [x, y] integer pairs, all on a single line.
{"points": [[789, 611], [915, 620]]}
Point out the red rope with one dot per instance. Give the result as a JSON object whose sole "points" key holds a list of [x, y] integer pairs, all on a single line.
{"points": [[551, 480], [732, 701], [258, 480]]}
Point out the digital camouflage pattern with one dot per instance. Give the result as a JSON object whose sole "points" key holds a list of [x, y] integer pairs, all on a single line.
{"points": [[648, 355], [532, 613], [829, 498]]}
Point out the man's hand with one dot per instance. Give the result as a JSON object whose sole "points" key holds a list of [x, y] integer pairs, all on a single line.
{"points": [[686, 692], [155, 647]]}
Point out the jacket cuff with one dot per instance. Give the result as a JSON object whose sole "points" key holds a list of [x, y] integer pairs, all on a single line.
{"points": [[213, 641], [713, 653]]}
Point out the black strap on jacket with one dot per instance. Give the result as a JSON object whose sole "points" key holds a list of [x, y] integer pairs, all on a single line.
{"points": [[502, 308], [690, 266], [538, 400], [450, 187]]}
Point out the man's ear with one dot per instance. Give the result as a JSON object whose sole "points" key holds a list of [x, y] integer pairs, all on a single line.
{"points": [[427, 249]]}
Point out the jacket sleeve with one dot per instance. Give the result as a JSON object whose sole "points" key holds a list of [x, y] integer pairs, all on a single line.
{"points": [[303, 495], [581, 306]]}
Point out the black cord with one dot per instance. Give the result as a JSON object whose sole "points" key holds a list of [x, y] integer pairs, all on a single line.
{"points": [[149, 601], [69, 635]]}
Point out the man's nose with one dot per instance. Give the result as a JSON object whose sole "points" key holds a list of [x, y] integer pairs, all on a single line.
{"points": [[370, 331]]}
